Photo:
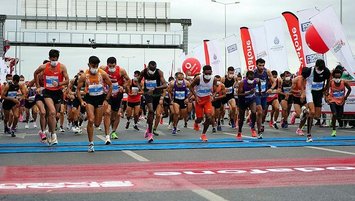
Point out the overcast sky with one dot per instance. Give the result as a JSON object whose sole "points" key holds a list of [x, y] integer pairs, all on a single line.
{"points": [[207, 23]]}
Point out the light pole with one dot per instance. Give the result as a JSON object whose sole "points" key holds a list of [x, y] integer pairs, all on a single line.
{"points": [[225, 25], [128, 58], [341, 11]]}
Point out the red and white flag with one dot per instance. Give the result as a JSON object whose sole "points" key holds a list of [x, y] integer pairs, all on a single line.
{"points": [[248, 49], [330, 29]]}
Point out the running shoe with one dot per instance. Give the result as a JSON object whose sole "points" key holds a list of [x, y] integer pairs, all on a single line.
{"points": [[13, 133], [309, 138], [276, 126], [271, 123], [155, 132], [203, 138], [196, 127], [54, 139], [42, 136], [27, 126], [91, 148], [34, 125], [219, 128], [150, 138], [299, 132], [214, 130], [334, 133], [114, 135], [260, 135], [293, 118], [239, 135], [253, 132], [185, 125], [136, 127], [61, 129], [127, 124], [108, 140], [174, 131]]}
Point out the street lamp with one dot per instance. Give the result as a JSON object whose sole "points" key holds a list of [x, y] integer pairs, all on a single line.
{"points": [[128, 58], [225, 25]]}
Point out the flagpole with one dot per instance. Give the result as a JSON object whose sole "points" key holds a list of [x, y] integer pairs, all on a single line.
{"points": [[225, 26]]}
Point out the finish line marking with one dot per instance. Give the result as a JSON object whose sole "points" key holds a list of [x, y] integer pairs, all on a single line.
{"points": [[331, 150]]}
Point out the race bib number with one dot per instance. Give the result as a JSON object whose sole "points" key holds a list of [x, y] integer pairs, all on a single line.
{"points": [[150, 84], [96, 90], [263, 86], [31, 99], [287, 89], [135, 90], [115, 88], [338, 94], [317, 86], [229, 90], [50, 80], [12, 94], [180, 95]]}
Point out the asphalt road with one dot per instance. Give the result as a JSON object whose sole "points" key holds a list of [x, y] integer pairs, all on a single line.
{"points": [[263, 173]]}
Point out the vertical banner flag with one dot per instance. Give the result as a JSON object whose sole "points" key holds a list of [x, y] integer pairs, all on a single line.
{"points": [[275, 38], [309, 55], [4, 70], [232, 53], [247, 49], [258, 38], [294, 29], [332, 33], [214, 56]]}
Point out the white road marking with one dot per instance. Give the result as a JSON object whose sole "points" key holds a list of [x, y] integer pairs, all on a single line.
{"points": [[208, 195], [331, 150], [135, 156]]}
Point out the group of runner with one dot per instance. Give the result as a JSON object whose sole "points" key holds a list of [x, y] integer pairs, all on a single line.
{"points": [[106, 93]]}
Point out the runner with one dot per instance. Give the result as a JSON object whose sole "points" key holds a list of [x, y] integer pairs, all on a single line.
{"points": [[76, 108], [229, 81], [30, 104], [247, 99], [12, 103], [317, 83], [286, 97], [178, 95], [273, 100], [113, 111], [94, 79], [336, 97], [299, 103], [134, 101], [263, 76], [201, 88], [154, 87], [55, 77], [219, 94]]}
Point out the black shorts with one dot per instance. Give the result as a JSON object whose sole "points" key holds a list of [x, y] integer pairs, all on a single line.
{"points": [[152, 99], [297, 101], [142, 102], [132, 104], [56, 96], [289, 100], [181, 103], [29, 104], [167, 102], [76, 103], [337, 110], [8, 105], [39, 98], [115, 102], [217, 104], [317, 98], [227, 98], [95, 101], [243, 104]]}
